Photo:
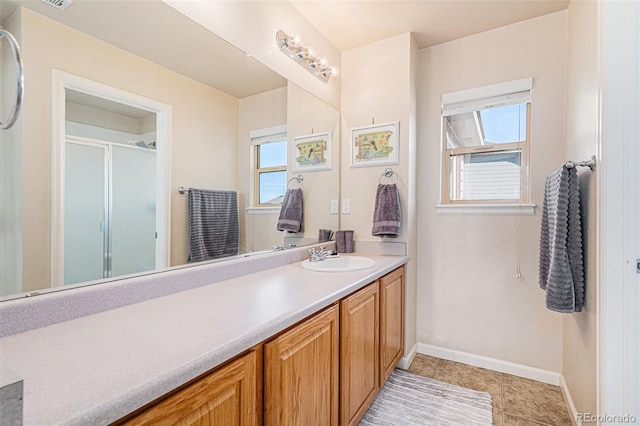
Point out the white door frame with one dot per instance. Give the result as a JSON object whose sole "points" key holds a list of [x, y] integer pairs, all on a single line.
{"points": [[61, 81], [619, 212]]}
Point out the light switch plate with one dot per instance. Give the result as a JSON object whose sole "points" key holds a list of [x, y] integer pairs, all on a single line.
{"points": [[346, 206], [334, 207]]}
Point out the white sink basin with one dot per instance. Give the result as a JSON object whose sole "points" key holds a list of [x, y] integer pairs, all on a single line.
{"points": [[339, 264]]}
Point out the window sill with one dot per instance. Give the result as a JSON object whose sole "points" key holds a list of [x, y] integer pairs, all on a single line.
{"points": [[487, 209], [263, 210]]}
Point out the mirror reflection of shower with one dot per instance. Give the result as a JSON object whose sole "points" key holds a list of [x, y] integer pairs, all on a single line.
{"points": [[109, 189]]}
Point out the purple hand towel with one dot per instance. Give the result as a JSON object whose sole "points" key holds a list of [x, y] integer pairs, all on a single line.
{"points": [[291, 214], [386, 215]]}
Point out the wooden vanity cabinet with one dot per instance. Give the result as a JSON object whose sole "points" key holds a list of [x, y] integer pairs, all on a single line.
{"points": [[359, 355], [325, 370], [301, 373], [391, 322], [226, 397]]}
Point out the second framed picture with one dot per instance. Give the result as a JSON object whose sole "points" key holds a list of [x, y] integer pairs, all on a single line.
{"points": [[374, 145], [312, 152]]}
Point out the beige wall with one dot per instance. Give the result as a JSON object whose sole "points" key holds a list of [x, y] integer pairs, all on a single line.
{"points": [[379, 83], [306, 114], [204, 128], [469, 298], [257, 112], [579, 345], [302, 113]]}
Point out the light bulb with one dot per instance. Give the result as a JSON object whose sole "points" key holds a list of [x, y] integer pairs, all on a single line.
{"points": [[309, 52], [296, 41]]}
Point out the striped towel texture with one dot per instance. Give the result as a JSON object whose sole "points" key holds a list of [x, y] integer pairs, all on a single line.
{"points": [[561, 260], [213, 224]]}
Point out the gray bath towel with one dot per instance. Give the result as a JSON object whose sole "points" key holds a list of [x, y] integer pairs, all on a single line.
{"points": [[291, 214], [561, 261], [386, 215], [213, 224]]}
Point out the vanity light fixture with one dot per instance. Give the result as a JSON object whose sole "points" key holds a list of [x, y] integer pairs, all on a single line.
{"points": [[59, 4], [292, 47]]}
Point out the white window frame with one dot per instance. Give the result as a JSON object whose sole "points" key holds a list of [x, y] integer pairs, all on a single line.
{"points": [[259, 137], [502, 94]]}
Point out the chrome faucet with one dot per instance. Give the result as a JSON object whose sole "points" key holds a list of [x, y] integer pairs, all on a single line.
{"points": [[317, 255]]}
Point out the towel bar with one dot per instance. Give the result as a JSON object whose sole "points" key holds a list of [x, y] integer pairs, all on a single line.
{"points": [[591, 163]]}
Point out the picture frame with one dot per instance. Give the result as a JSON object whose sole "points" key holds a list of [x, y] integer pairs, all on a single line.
{"points": [[374, 145], [312, 152]]}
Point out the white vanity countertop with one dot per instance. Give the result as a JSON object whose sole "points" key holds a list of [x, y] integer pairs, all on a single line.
{"points": [[97, 369]]}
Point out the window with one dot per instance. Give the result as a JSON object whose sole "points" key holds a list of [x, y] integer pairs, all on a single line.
{"points": [[269, 166], [485, 137]]}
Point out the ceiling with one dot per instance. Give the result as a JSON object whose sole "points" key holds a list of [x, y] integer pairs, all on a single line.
{"points": [[348, 24], [146, 28], [345, 23]]}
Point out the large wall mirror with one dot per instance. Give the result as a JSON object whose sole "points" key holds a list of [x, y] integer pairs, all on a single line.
{"points": [[125, 103]]}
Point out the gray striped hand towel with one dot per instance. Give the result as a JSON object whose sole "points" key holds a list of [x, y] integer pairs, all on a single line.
{"points": [[561, 260], [213, 224]]}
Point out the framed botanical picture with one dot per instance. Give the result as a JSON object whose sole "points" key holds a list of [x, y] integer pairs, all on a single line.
{"points": [[312, 152], [374, 145]]}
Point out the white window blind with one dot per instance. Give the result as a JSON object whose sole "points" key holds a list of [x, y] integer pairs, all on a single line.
{"points": [[492, 96], [271, 134]]}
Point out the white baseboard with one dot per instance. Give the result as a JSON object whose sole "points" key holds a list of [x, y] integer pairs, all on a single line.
{"points": [[519, 370], [569, 401], [407, 359]]}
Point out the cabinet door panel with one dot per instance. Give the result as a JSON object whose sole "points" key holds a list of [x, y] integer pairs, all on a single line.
{"points": [[391, 322], [226, 397], [301, 373], [359, 335]]}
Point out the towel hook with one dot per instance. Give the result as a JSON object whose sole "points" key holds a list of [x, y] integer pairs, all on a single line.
{"points": [[388, 173]]}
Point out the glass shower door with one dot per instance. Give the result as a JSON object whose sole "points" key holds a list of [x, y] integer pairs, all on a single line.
{"points": [[85, 212], [110, 211], [133, 212]]}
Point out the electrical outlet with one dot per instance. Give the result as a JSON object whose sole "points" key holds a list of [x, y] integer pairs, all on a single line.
{"points": [[334, 207], [346, 206]]}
